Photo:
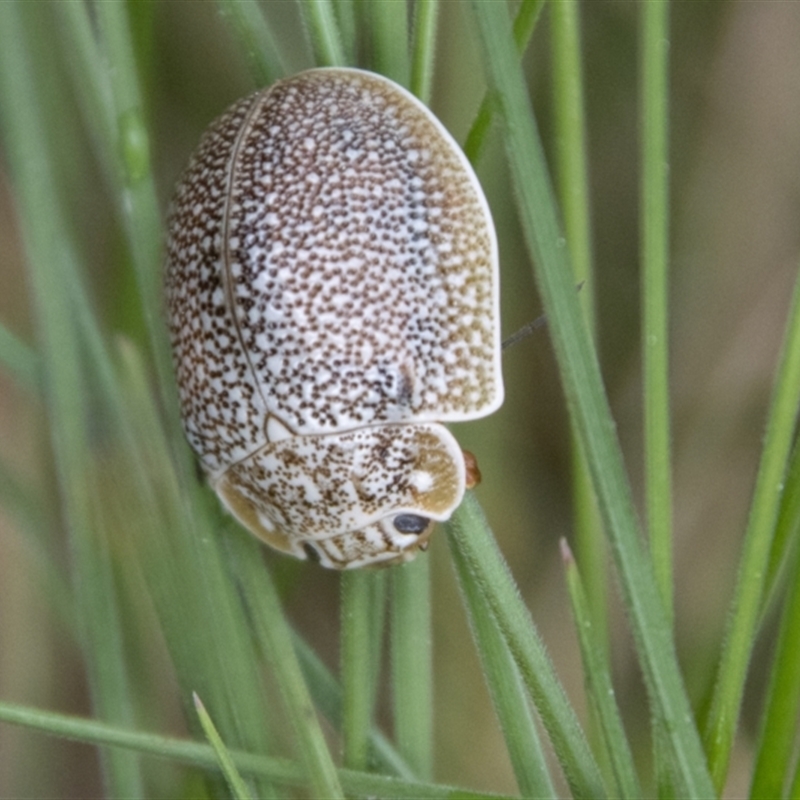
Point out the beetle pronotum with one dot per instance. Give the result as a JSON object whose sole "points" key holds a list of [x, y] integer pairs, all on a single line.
{"points": [[333, 299]]}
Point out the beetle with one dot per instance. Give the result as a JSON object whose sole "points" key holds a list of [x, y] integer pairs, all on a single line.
{"points": [[332, 293]]}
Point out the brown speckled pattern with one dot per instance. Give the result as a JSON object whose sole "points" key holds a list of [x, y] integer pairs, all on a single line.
{"points": [[331, 265], [333, 483]]}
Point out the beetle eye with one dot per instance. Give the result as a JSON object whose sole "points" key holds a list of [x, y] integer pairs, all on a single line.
{"points": [[410, 523]]}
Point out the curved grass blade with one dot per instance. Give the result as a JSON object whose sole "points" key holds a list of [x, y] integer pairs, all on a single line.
{"points": [[471, 537], [506, 687], [276, 770], [423, 48], [234, 780], [764, 511], [362, 600], [325, 38], [274, 634], [524, 24], [588, 405], [252, 32], [327, 696], [412, 664], [600, 689]]}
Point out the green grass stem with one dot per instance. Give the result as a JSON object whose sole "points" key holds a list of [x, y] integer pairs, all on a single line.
{"points": [[599, 686], [346, 18], [787, 531], [749, 592], [423, 48], [654, 100], [254, 36], [175, 534], [412, 664], [234, 780], [470, 535], [358, 663], [524, 23], [325, 38], [775, 748], [588, 405], [276, 640], [388, 26], [327, 695], [44, 232], [572, 186], [275, 770], [506, 687]]}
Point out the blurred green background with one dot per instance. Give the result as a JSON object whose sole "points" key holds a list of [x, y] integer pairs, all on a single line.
{"points": [[735, 179]]}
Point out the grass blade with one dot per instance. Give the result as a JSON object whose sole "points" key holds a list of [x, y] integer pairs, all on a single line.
{"points": [[412, 664], [524, 23], [138, 203], [779, 723], [327, 696], [507, 689], [598, 681], [359, 658], [51, 260], [749, 593], [423, 48], [388, 26], [655, 261], [321, 21], [254, 36], [180, 553], [586, 399], [277, 770], [232, 777], [275, 636], [573, 193], [469, 534]]}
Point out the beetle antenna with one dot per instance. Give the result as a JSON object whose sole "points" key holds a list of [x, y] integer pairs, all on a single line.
{"points": [[526, 330]]}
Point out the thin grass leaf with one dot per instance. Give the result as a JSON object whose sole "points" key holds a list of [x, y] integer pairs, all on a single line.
{"points": [[89, 71], [782, 709], [586, 399], [232, 777], [654, 233], [412, 664], [277, 770], [654, 98], [348, 28], [254, 36], [471, 537], [359, 658], [572, 186], [180, 554], [275, 636], [506, 687], [749, 593], [327, 696], [600, 689], [49, 250], [794, 789], [423, 48], [19, 361], [137, 198], [321, 21], [388, 33], [787, 531], [524, 24], [411, 637]]}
